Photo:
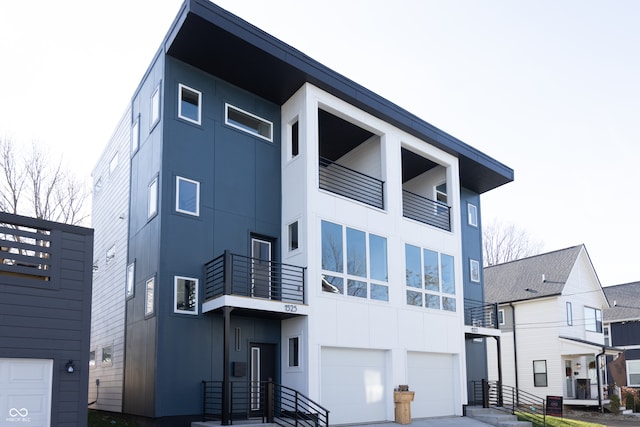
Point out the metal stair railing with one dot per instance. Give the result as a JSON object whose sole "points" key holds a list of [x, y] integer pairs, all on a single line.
{"points": [[511, 400]]}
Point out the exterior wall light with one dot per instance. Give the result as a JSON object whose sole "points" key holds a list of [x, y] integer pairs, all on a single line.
{"points": [[578, 365], [69, 367]]}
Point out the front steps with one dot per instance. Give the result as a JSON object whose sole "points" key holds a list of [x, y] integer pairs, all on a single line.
{"points": [[495, 417]]}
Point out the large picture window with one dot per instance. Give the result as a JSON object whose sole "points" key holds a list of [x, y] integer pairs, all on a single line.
{"points": [[592, 319], [430, 279], [185, 295], [354, 262], [540, 373], [187, 196]]}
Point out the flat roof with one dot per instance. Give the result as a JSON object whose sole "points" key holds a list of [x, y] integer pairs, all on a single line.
{"points": [[203, 33]]}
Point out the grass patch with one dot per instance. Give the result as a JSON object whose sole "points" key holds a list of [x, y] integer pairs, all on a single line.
{"points": [[109, 419], [556, 422]]}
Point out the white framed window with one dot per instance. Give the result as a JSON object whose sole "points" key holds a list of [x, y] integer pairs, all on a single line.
{"points": [[607, 336], [429, 279], [501, 317], [149, 298], [592, 319], [185, 295], [135, 135], [472, 214], [569, 314], [187, 196], [247, 122], [152, 198], [294, 352], [107, 356], [539, 373], [154, 116], [633, 373], [111, 254], [113, 164], [295, 139], [474, 270], [189, 104], [131, 272], [294, 242]]}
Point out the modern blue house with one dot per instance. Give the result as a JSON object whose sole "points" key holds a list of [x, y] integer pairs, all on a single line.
{"points": [[266, 227]]}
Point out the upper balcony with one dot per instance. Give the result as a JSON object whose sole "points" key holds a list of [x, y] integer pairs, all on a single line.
{"points": [[481, 319], [251, 284]]}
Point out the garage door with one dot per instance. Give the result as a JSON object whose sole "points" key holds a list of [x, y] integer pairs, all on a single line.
{"points": [[353, 385], [25, 392], [433, 379]]}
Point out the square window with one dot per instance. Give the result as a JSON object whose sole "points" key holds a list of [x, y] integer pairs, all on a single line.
{"points": [[539, 373], [474, 270], [248, 122], [107, 356], [135, 136], [293, 236], [187, 196], [189, 104], [155, 108], [294, 352], [152, 198], [130, 279], [472, 215], [149, 291], [185, 295]]}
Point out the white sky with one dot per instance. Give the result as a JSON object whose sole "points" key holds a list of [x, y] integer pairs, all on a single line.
{"points": [[550, 88]]}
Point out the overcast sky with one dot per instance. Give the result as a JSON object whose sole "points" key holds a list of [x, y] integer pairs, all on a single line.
{"points": [[550, 88]]}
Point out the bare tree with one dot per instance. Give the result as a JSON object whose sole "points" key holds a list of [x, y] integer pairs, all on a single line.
{"points": [[504, 242], [35, 184]]}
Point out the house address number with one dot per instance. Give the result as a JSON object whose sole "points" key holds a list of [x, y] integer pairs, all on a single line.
{"points": [[291, 308]]}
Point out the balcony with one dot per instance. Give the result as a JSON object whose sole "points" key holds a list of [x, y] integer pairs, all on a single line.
{"points": [[427, 211], [351, 183], [255, 285], [481, 319]]}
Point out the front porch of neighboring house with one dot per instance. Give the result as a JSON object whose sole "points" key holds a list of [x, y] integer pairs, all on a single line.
{"points": [[583, 365]]}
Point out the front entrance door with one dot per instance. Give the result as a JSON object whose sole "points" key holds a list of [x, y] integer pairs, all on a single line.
{"points": [[263, 368], [260, 268]]}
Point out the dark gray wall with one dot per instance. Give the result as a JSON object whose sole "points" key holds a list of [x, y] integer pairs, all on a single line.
{"points": [[627, 333], [51, 319]]}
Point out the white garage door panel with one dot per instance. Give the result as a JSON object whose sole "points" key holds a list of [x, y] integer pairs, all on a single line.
{"points": [[25, 392], [353, 385], [431, 377]]}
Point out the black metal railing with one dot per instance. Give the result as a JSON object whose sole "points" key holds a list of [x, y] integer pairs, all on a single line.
{"points": [[427, 211], [511, 400], [480, 315], [272, 402], [350, 183], [232, 274]]}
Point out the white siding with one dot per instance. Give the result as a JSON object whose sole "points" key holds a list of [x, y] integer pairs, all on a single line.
{"points": [[110, 219]]}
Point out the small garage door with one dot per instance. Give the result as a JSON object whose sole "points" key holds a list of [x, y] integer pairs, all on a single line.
{"points": [[25, 392], [433, 379], [353, 385]]}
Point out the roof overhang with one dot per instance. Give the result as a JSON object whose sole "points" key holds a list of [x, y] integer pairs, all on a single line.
{"points": [[203, 33], [574, 346]]}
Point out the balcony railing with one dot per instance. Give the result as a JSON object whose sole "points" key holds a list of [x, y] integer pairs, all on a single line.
{"points": [[481, 315], [351, 183], [232, 274], [426, 210]]}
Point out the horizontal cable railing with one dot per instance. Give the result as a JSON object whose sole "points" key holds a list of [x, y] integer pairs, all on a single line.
{"points": [[514, 401], [480, 315], [351, 183], [232, 274], [212, 400], [427, 211]]}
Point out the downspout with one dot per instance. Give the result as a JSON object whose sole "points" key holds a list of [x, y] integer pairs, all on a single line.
{"points": [[599, 380], [515, 347]]}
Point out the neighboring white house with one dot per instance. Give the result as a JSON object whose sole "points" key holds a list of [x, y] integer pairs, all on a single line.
{"points": [[550, 314]]}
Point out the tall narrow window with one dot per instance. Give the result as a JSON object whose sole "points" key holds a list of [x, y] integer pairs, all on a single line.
{"points": [[131, 268], [189, 104], [92, 359], [185, 295], [474, 269], [187, 196], [294, 352], [295, 139], [155, 108], [107, 357], [539, 373], [149, 291], [113, 164], [569, 314], [248, 122], [135, 135], [293, 236], [472, 215], [152, 198]]}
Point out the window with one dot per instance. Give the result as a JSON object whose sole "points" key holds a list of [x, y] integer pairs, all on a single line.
{"points": [[248, 122], [107, 356], [187, 196], [441, 196], [474, 270], [149, 290], [152, 198], [569, 314], [294, 352], [501, 317], [633, 373], [356, 259], [98, 185], [293, 236], [472, 215], [155, 108], [607, 338], [131, 268], [238, 339], [189, 102], [113, 164], [92, 359], [295, 139], [430, 279], [540, 373], [185, 295], [111, 254], [592, 319], [135, 135]]}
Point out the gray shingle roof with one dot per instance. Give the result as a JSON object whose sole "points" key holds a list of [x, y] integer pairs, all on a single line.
{"points": [[627, 298], [523, 279]]}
